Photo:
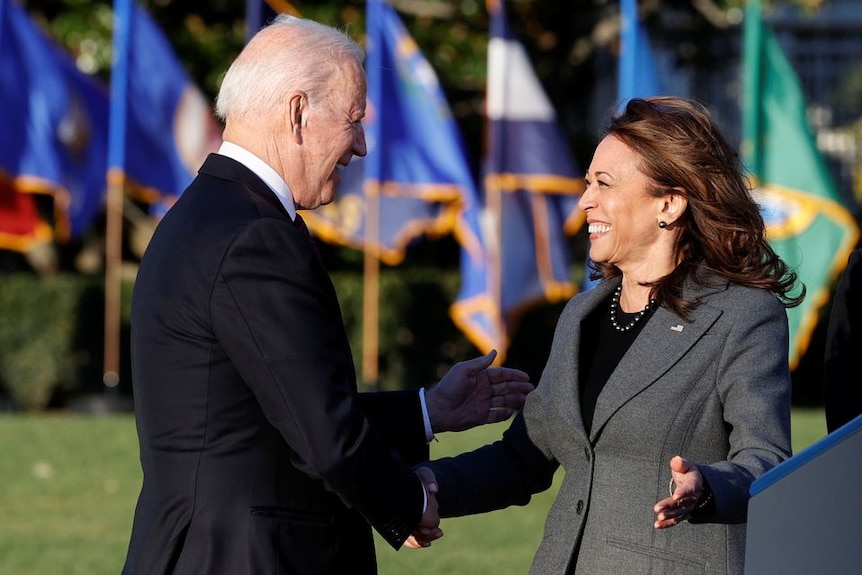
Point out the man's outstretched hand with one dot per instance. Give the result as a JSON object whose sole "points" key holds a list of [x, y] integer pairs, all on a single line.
{"points": [[474, 393]]}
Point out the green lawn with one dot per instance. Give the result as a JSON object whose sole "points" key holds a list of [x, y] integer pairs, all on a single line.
{"points": [[68, 486]]}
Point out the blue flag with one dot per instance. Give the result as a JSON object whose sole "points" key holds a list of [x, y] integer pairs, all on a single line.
{"points": [[637, 73], [258, 13], [54, 131], [164, 127], [529, 205], [414, 178]]}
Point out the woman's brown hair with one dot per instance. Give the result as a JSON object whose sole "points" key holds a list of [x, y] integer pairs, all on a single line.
{"points": [[681, 148]]}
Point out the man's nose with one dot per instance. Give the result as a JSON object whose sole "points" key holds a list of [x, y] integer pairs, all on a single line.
{"points": [[359, 148]]}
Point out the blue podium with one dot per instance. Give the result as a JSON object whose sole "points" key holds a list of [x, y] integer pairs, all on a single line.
{"points": [[805, 515]]}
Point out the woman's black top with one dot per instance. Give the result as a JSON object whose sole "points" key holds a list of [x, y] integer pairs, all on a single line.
{"points": [[602, 348]]}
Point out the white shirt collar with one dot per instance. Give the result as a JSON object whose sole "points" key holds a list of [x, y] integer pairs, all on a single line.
{"points": [[263, 171]]}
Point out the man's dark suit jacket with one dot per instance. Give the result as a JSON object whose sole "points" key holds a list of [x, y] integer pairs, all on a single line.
{"points": [[842, 391], [257, 452]]}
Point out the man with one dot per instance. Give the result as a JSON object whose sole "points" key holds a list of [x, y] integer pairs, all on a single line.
{"points": [[258, 454], [842, 392]]}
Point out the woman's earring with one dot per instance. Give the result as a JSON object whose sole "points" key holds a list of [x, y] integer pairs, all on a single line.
{"points": [[662, 224]]}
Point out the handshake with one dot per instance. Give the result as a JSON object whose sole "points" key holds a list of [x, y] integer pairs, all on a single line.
{"points": [[429, 527], [472, 393]]}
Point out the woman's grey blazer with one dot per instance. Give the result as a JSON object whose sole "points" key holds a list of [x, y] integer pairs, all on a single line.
{"points": [[715, 390]]}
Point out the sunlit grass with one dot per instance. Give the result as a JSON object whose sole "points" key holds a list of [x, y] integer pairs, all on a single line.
{"points": [[68, 486]]}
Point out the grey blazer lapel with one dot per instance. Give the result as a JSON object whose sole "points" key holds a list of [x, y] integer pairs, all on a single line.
{"points": [[563, 367], [665, 339]]}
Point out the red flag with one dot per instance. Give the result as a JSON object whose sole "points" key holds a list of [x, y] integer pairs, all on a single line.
{"points": [[21, 227]]}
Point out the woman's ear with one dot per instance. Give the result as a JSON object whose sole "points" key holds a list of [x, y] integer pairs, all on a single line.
{"points": [[675, 204]]}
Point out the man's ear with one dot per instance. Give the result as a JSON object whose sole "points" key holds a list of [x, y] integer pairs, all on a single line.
{"points": [[297, 114], [675, 203]]}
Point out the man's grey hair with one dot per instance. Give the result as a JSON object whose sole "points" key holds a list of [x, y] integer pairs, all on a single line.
{"points": [[288, 54]]}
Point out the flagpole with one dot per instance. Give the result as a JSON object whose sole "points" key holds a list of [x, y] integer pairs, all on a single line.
{"points": [[114, 202], [371, 290], [113, 279], [373, 187], [494, 199], [496, 84]]}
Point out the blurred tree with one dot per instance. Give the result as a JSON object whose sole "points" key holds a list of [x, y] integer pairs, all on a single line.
{"points": [[572, 46]]}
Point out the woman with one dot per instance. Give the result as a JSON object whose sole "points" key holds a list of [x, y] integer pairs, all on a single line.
{"points": [[667, 388]]}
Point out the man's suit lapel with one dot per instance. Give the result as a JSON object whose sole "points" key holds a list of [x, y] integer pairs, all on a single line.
{"points": [[219, 166]]}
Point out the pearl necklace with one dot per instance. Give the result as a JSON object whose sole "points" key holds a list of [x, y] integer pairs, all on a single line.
{"points": [[615, 303]]}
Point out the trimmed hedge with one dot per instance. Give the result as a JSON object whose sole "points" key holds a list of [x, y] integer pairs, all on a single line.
{"points": [[418, 341], [47, 336], [52, 332]]}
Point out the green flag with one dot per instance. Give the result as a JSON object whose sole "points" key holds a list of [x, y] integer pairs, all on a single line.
{"points": [[807, 223]]}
